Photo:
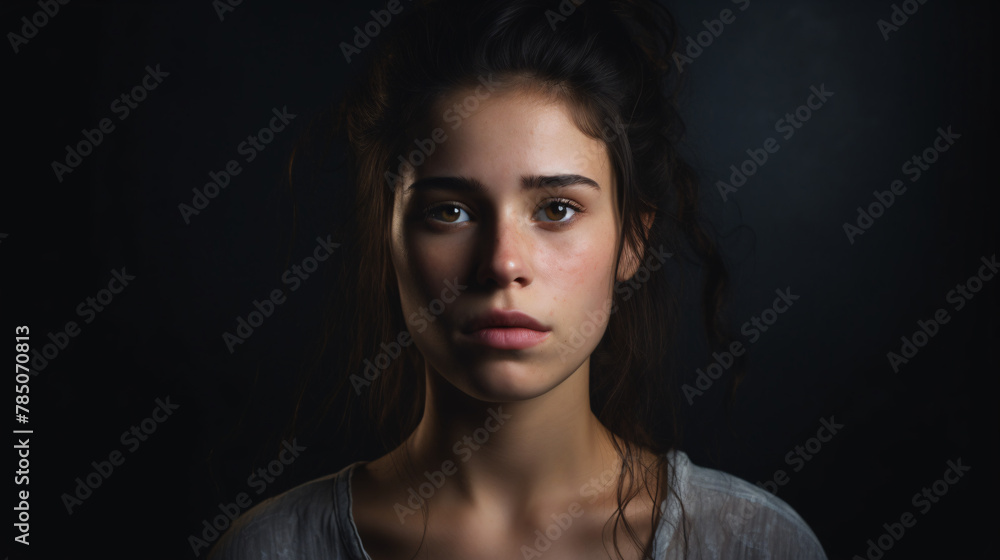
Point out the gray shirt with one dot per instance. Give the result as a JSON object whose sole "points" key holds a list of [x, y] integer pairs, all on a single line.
{"points": [[723, 517]]}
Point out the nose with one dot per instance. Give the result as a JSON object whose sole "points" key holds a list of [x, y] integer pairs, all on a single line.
{"points": [[506, 254]]}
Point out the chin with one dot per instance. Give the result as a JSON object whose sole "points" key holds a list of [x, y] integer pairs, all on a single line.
{"points": [[506, 382]]}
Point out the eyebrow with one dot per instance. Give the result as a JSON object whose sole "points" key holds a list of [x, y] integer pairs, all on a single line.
{"points": [[528, 182]]}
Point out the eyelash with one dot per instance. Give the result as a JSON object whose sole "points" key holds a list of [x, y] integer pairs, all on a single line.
{"points": [[577, 209]]}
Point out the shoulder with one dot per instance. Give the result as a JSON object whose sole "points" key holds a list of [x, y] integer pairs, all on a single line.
{"points": [[309, 521], [735, 519]]}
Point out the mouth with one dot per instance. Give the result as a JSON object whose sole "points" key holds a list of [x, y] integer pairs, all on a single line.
{"points": [[506, 330]]}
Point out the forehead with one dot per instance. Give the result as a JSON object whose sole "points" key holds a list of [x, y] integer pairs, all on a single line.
{"points": [[501, 136]]}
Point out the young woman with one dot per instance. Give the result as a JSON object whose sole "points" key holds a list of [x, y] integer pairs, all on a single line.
{"points": [[520, 209]]}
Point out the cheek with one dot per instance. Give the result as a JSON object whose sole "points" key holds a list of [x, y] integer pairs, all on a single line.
{"points": [[580, 272], [431, 258], [421, 261], [428, 265]]}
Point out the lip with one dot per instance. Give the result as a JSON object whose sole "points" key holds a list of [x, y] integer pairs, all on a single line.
{"points": [[501, 318], [507, 330]]}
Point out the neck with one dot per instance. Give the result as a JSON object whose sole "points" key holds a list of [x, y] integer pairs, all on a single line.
{"points": [[512, 456]]}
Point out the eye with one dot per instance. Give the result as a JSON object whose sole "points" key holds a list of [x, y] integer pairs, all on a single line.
{"points": [[447, 213], [559, 210]]}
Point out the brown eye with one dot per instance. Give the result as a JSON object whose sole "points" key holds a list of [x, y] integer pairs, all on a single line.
{"points": [[558, 211], [447, 213]]}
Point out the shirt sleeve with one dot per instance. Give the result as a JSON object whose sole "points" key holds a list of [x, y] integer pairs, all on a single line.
{"points": [[727, 517], [264, 532], [300, 524]]}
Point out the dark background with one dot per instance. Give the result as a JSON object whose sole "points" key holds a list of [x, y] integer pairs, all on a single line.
{"points": [[825, 357]]}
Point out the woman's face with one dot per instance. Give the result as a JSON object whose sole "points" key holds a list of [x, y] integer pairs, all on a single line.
{"points": [[513, 210]]}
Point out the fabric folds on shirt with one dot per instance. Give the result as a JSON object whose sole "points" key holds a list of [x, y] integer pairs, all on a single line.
{"points": [[718, 516]]}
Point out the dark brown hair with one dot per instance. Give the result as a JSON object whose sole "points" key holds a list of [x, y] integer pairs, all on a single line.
{"points": [[610, 61]]}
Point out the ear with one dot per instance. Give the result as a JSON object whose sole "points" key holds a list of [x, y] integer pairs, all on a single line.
{"points": [[631, 257]]}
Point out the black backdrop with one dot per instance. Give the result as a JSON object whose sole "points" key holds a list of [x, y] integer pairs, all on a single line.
{"points": [[68, 234]]}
